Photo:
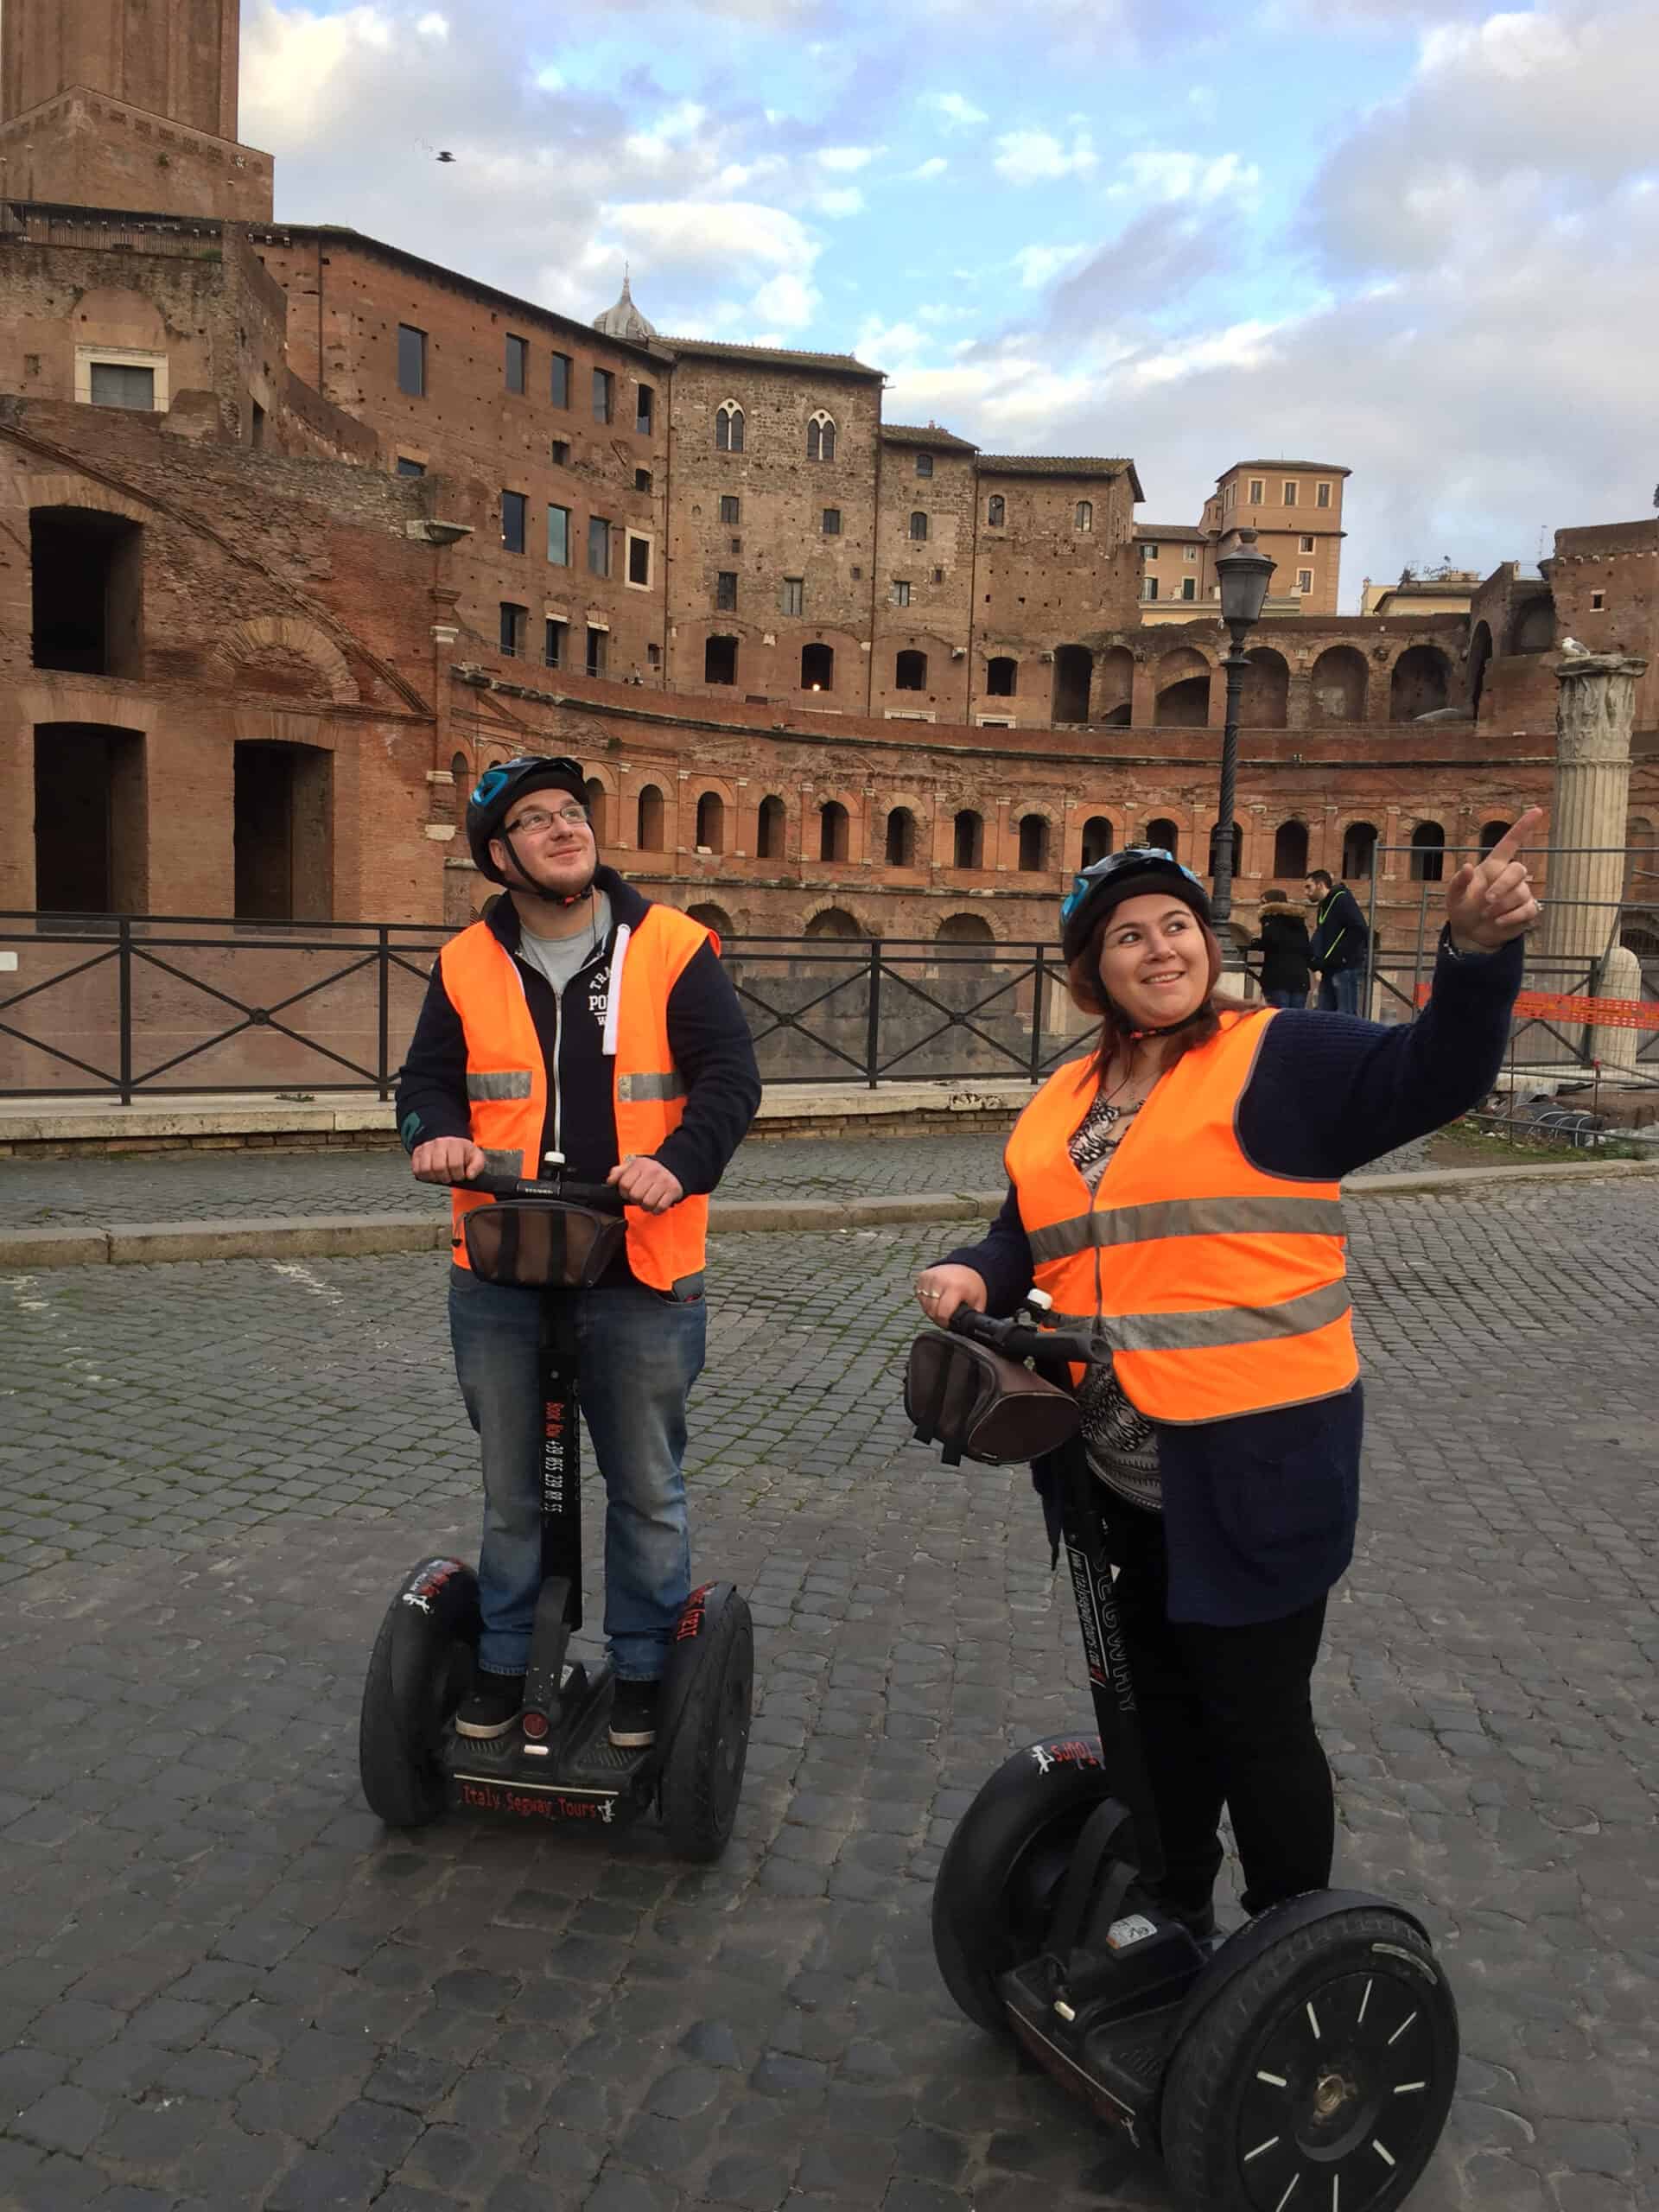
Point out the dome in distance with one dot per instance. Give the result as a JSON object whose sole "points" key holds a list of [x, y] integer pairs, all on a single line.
{"points": [[624, 320]]}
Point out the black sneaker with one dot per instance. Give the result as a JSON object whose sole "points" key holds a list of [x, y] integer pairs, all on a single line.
{"points": [[1198, 1920], [493, 1706], [634, 1715]]}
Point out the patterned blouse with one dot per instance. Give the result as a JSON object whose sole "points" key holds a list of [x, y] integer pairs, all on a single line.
{"points": [[1121, 1444]]}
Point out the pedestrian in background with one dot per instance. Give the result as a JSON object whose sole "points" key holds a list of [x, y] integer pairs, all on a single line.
{"points": [[1341, 945], [1282, 942]]}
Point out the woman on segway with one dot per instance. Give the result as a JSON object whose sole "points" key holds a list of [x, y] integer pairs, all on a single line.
{"points": [[1179, 1192]]}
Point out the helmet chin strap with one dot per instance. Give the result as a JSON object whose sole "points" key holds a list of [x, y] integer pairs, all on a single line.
{"points": [[530, 884], [1173, 1028]]}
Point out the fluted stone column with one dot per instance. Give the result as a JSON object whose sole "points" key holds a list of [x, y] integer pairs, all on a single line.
{"points": [[1595, 710]]}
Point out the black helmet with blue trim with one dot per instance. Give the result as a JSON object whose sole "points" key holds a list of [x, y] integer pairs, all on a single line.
{"points": [[1137, 869], [498, 788]]}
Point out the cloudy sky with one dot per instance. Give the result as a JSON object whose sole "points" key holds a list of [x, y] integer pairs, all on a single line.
{"points": [[1414, 235]]}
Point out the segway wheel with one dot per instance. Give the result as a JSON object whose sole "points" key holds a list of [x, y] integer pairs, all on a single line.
{"points": [[1000, 1877], [1319, 2076], [422, 1666], [703, 1768]]}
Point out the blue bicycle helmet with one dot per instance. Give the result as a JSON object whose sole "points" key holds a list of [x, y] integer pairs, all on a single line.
{"points": [[1123, 875], [497, 789]]}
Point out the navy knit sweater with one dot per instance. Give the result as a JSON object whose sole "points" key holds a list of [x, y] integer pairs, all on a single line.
{"points": [[1260, 1511]]}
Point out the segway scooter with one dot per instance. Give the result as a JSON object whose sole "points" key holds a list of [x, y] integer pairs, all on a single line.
{"points": [[1306, 2063], [558, 1765]]}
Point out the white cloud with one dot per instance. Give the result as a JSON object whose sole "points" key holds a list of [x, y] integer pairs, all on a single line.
{"points": [[433, 25], [935, 167], [665, 143], [847, 200], [1172, 177], [1039, 264], [1038, 158], [846, 159], [954, 108], [788, 299]]}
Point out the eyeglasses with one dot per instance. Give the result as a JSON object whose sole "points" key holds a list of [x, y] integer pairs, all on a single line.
{"points": [[537, 819], [1114, 864]]}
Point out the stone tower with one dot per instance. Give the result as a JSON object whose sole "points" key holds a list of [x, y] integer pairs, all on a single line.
{"points": [[128, 104]]}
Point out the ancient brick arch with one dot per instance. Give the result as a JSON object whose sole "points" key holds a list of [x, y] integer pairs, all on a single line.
{"points": [[1419, 683], [1338, 682], [286, 654], [1181, 681], [64, 488]]}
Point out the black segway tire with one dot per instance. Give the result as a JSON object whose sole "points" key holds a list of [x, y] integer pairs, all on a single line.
{"points": [[1321, 2073], [1001, 1876], [709, 1696], [422, 1666]]}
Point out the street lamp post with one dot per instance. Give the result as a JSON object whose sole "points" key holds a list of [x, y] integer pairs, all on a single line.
{"points": [[1243, 574]]}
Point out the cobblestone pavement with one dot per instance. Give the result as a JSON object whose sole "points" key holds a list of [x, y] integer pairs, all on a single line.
{"points": [[268, 1185], [222, 1985]]}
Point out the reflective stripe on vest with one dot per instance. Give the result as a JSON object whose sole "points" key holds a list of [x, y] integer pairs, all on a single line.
{"points": [[507, 1078], [1219, 1289]]}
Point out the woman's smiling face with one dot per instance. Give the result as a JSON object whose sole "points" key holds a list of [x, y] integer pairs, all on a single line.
{"points": [[1154, 961]]}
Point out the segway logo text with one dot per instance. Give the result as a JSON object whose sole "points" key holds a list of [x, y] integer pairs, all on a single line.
{"points": [[1065, 1750], [426, 1582], [1083, 1589], [485, 1797], [690, 1624]]}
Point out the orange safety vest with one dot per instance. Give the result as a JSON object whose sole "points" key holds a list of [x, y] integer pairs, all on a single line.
{"points": [[1220, 1289], [506, 1075]]}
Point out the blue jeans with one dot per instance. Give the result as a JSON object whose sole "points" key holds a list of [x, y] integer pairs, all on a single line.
{"points": [[638, 1353], [1340, 992], [1287, 998]]}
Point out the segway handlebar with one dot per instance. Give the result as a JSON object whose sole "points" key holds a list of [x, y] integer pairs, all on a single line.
{"points": [[603, 1198], [1019, 1340]]}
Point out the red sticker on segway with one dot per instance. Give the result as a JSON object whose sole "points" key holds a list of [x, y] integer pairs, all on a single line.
{"points": [[426, 1582], [1065, 1750], [690, 1623]]}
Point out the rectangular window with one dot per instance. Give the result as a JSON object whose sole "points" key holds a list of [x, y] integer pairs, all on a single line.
{"points": [[411, 360], [1189, 586], [559, 453], [643, 411], [1189, 552], [900, 592], [599, 545], [1304, 580], [513, 507], [408, 467], [832, 521], [1598, 602], [558, 536], [1257, 489], [554, 647], [725, 591], [938, 575], [731, 510], [794, 594], [924, 464], [1148, 552], [638, 560], [604, 395], [596, 651], [642, 479], [518, 362], [559, 387], [1321, 495], [1305, 545], [514, 620], [1290, 493], [1148, 587], [116, 386]]}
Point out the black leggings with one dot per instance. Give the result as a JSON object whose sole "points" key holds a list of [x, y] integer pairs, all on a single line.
{"points": [[1226, 1718]]}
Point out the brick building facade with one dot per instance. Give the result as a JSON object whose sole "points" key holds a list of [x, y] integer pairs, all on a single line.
{"points": [[302, 532]]}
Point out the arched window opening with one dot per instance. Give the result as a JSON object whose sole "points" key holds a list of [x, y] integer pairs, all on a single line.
{"points": [[818, 668], [910, 671], [821, 438], [1238, 849], [1359, 851], [1084, 516], [1163, 834], [832, 830], [461, 781], [281, 815], [965, 928], [1420, 684], [648, 820], [91, 840], [87, 569], [919, 526], [712, 917], [1428, 853], [1097, 839], [711, 822], [769, 831], [901, 838], [1290, 850], [728, 428], [597, 809], [1034, 844], [1336, 683], [719, 661], [1001, 676], [969, 839], [996, 511], [834, 921], [1074, 670], [1490, 834]]}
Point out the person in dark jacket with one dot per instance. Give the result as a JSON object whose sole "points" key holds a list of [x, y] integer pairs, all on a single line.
{"points": [[1179, 1191], [1341, 944], [624, 1015], [1282, 944]]}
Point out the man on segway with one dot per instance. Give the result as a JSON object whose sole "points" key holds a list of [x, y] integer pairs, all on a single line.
{"points": [[578, 1018]]}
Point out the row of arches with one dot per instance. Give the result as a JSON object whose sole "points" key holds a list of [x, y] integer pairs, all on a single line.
{"points": [[1100, 687]]}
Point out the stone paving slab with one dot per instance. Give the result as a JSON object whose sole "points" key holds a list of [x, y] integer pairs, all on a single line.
{"points": [[222, 1983]]}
